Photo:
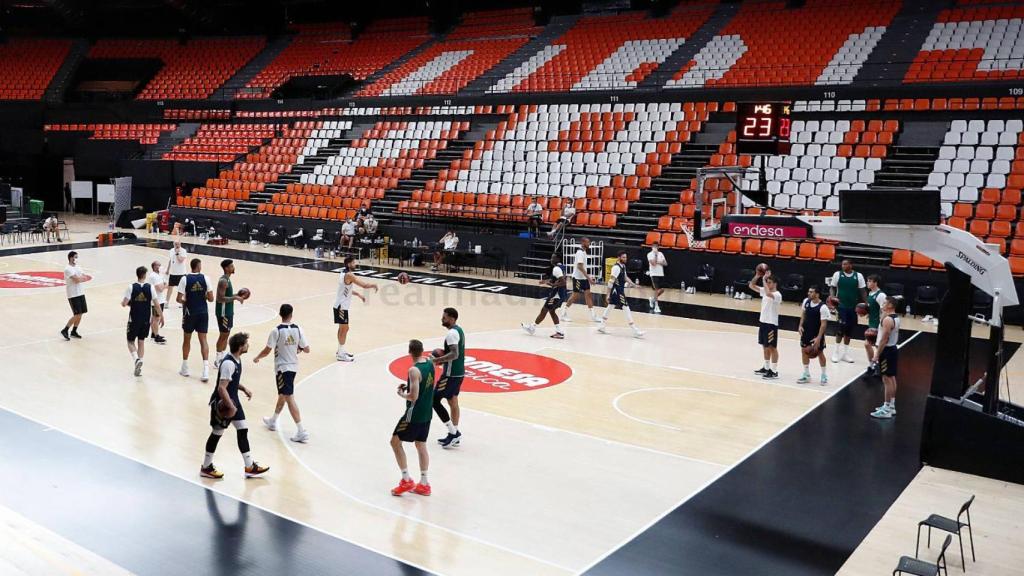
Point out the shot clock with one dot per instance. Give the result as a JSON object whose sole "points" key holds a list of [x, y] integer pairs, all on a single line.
{"points": [[763, 127]]}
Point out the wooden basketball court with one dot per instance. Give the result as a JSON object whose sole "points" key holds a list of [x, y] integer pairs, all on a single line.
{"points": [[551, 477]]}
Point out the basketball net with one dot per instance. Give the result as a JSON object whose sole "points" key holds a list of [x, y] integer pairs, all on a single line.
{"points": [[696, 244]]}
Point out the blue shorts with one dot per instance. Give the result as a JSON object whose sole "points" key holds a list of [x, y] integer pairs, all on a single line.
{"points": [[448, 387], [847, 320], [888, 361], [286, 383], [768, 335], [617, 299], [580, 285], [195, 323]]}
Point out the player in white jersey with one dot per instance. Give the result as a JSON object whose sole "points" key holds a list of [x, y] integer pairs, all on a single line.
{"points": [[887, 356], [581, 281], [617, 296], [286, 341], [768, 328], [74, 279], [177, 267], [343, 300], [656, 264], [156, 280]]}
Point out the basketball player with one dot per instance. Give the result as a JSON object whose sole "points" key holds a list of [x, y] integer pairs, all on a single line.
{"points": [[848, 286], [342, 302], [887, 357], [176, 267], [287, 340], [143, 307], [556, 295], [448, 386], [229, 383], [768, 329], [656, 270], [156, 280], [814, 317], [193, 294], [617, 296], [581, 281], [414, 425], [224, 309], [73, 280], [876, 300]]}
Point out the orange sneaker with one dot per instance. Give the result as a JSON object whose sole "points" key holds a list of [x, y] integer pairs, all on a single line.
{"points": [[211, 472], [255, 470], [403, 487], [422, 489]]}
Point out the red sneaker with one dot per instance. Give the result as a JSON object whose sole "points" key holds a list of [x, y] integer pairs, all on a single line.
{"points": [[403, 487], [422, 489]]}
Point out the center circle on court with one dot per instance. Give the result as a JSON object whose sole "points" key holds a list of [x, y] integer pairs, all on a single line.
{"points": [[495, 371], [33, 279]]}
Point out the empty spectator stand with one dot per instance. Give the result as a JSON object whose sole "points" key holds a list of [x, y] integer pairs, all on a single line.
{"points": [[972, 43], [328, 49], [604, 52], [193, 70], [27, 65], [222, 142], [146, 134]]}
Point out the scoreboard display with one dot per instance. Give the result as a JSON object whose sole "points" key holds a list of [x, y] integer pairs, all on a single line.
{"points": [[762, 127]]}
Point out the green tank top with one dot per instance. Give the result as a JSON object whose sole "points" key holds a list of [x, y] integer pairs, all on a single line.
{"points": [[848, 290], [457, 367], [874, 310], [423, 410], [226, 309]]}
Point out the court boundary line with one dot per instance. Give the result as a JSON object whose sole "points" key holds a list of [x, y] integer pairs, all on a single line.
{"points": [[212, 488], [730, 468], [615, 402]]}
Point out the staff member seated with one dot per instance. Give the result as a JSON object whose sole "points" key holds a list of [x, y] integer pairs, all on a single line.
{"points": [[370, 225], [348, 233], [533, 215], [564, 220], [447, 244]]}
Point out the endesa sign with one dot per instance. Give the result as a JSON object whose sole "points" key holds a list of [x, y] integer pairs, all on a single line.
{"points": [[768, 228], [47, 279], [492, 371]]}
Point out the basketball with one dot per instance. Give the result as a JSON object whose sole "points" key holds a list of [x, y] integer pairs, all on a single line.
{"points": [[403, 278], [225, 410], [862, 309], [762, 268], [811, 350], [870, 335], [832, 302], [244, 293], [437, 353]]}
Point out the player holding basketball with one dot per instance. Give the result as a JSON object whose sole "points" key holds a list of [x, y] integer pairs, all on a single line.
{"points": [[143, 307], [226, 410], [556, 295], [193, 294], [73, 280], [156, 280], [887, 357], [768, 330], [814, 317], [448, 386], [414, 425], [224, 309], [848, 286], [342, 302], [581, 281], [617, 296], [876, 300], [286, 341], [656, 264]]}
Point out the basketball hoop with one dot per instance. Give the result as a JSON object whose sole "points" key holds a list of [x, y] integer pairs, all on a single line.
{"points": [[691, 242]]}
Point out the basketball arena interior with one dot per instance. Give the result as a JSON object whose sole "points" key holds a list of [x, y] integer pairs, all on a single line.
{"points": [[686, 259]]}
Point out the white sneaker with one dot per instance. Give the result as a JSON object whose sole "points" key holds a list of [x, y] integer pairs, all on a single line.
{"points": [[846, 358], [824, 380], [300, 437], [216, 362], [602, 328], [565, 317], [594, 318], [529, 329], [138, 366], [835, 358], [206, 374], [184, 370], [652, 303], [891, 409], [270, 423], [657, 309], [344, 357], [804, 379], [882, 412], [638, 333]]}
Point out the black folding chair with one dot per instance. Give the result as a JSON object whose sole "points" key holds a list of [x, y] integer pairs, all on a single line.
{"points": [[917, 567], [951, 526]]}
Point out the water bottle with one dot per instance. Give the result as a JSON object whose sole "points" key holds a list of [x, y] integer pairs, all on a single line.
{"points": [[682, 286], [415, 242], [908, 310]]}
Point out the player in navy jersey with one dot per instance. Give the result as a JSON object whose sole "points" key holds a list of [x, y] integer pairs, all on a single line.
{"points": [[226, 410], [617, 296], [555, 296], [143, 305], [814, 317], [194, 294]]}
